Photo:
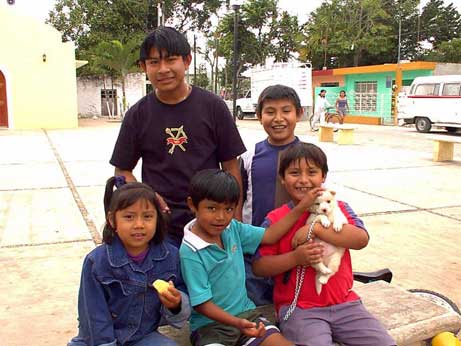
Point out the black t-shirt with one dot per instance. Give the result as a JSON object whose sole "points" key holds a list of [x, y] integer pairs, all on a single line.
{"points": [[174, 142]]}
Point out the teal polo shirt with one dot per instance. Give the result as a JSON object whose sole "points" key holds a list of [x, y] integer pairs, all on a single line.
{"points": [[216, 274]]}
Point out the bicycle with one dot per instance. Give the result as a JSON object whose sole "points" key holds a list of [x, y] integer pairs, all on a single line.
{"points": [[331, 117]]}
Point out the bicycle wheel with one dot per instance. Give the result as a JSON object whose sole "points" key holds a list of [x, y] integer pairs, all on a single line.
{"points": [[333, 118], [436, 298], [313, 124]]}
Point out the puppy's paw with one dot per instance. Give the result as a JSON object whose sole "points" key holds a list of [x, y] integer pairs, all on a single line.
{"points": [[337, 225], [324, 221], [318, 287], [323, 279]]}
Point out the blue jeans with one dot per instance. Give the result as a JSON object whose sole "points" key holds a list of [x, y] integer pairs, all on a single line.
{"points": [[152, 339]]}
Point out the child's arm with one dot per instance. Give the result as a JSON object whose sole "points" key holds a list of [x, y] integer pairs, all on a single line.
{"points": [[304, 255], [350, 236], [215, 313], [94, 315], [233, 167], [277, 230]]}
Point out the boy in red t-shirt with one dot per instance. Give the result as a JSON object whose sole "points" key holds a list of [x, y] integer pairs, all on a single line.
{"points": [[337, 314]]}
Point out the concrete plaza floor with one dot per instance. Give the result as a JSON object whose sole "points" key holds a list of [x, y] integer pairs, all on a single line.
{"points": [[51, 213]]}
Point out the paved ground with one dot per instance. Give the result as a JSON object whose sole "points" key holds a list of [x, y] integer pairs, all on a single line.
{"points": [[51, 187]]}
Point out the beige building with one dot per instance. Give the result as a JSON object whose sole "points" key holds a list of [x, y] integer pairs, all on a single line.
{"points": [[37, 74]]}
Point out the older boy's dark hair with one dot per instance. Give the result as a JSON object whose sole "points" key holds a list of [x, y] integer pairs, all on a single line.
{"points": [[214, 184], [164, 39], [123, 197], [307, 151], [278, 92]]}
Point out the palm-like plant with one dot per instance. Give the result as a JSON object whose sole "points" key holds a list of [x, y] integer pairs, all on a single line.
{"points": [[118, 59]]}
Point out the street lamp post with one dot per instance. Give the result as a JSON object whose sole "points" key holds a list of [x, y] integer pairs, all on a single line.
{"points": [[235, 6]]}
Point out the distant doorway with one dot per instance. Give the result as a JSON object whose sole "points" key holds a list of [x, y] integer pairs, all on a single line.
{"points": [[109, 102], [3, 103]]}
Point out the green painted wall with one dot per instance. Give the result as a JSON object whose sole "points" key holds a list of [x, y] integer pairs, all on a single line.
{"points": [[384, 80]]}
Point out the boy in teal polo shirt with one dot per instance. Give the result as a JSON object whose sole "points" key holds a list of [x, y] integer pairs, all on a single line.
{"points": [[213, 267]]}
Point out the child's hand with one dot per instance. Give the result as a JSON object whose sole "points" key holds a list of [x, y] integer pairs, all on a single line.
{"points": [[170, 298], [309, 198], [300, 236], [250, 329], [309, 253]]}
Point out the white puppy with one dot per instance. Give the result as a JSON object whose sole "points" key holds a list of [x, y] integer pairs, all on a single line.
{"points": [[327, 212]]}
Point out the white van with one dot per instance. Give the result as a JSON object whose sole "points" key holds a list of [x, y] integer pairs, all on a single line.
{"points": [[433, 101]]}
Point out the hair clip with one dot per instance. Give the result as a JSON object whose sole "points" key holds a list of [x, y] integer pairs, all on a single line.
{"points": [[119, 181]]}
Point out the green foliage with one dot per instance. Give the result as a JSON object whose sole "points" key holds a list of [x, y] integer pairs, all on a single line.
{"points": [[447, 52], [440, 23]]}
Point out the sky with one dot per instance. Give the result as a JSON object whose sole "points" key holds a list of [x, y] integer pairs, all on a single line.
{"points": [[40, 8]]}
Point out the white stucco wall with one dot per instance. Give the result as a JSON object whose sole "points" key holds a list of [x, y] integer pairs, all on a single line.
{"points": [[89, 92]]}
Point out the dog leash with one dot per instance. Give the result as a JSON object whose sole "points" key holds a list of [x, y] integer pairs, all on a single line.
{"points": [[300, 272]]}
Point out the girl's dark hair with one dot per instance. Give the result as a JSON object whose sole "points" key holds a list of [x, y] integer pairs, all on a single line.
{"points": [[214, 184], [164, 39], [278, 92], [123, 197], [307, 151]]}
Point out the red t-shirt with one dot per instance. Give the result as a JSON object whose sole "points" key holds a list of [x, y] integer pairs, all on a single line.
{"points": [[338, 288]]}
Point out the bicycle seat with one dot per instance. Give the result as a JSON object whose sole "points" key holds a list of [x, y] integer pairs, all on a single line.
{"points": [[366, 277]]}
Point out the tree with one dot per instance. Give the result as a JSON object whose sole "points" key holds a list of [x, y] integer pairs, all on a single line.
{"points": [[88, 22], [440, 23], [119, 58], [263, 31], [446, 52], [202, 79], [347, 30]]}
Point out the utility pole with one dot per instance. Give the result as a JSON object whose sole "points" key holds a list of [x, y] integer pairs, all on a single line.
{"points": [[217, 67], [195, 59], [400, 36], [235, 5]]}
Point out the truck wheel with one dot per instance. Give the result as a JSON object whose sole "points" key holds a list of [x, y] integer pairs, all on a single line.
{"points": [[423, 125], [240, 114]]}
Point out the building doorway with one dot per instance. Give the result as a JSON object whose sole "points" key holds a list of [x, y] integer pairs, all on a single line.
{"points": [[109, 102], [3, 103]]}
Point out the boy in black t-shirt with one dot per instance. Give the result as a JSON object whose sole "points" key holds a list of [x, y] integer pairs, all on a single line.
{"points": [[177, 130]]}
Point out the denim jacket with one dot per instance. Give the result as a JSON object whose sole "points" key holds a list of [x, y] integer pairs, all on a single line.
{"points": [[116, 303]]}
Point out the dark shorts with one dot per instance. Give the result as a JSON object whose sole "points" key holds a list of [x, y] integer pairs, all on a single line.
{"points": [[348, 324], [342, 111], [221, 334]]}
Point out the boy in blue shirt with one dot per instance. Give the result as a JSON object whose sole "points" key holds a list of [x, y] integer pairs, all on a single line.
{"points": [[213, 266], [278, 110]]}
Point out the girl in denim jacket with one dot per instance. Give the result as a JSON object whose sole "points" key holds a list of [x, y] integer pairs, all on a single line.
{"points": [[117, 305]]}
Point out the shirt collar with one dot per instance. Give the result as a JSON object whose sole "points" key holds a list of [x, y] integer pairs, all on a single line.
{"points": [[192, 240], [118, 256]]}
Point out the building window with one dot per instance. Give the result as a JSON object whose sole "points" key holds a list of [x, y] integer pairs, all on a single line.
{"points": [[451, 89], [365, 96], [329, 84]]}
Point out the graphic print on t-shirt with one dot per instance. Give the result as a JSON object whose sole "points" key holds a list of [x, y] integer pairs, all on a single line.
{"points": [[177, 138]]}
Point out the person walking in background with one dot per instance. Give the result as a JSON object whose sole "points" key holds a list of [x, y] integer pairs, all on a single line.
{"points": [[321, 104], [342, 107]]}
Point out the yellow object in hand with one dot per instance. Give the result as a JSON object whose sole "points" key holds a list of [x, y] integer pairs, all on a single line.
{"points": [[161, 285]]}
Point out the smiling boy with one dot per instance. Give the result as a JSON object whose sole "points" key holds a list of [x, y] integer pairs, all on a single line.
{"points": [[177, 130], [278, 110], [337, 313], [213, 267]]}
